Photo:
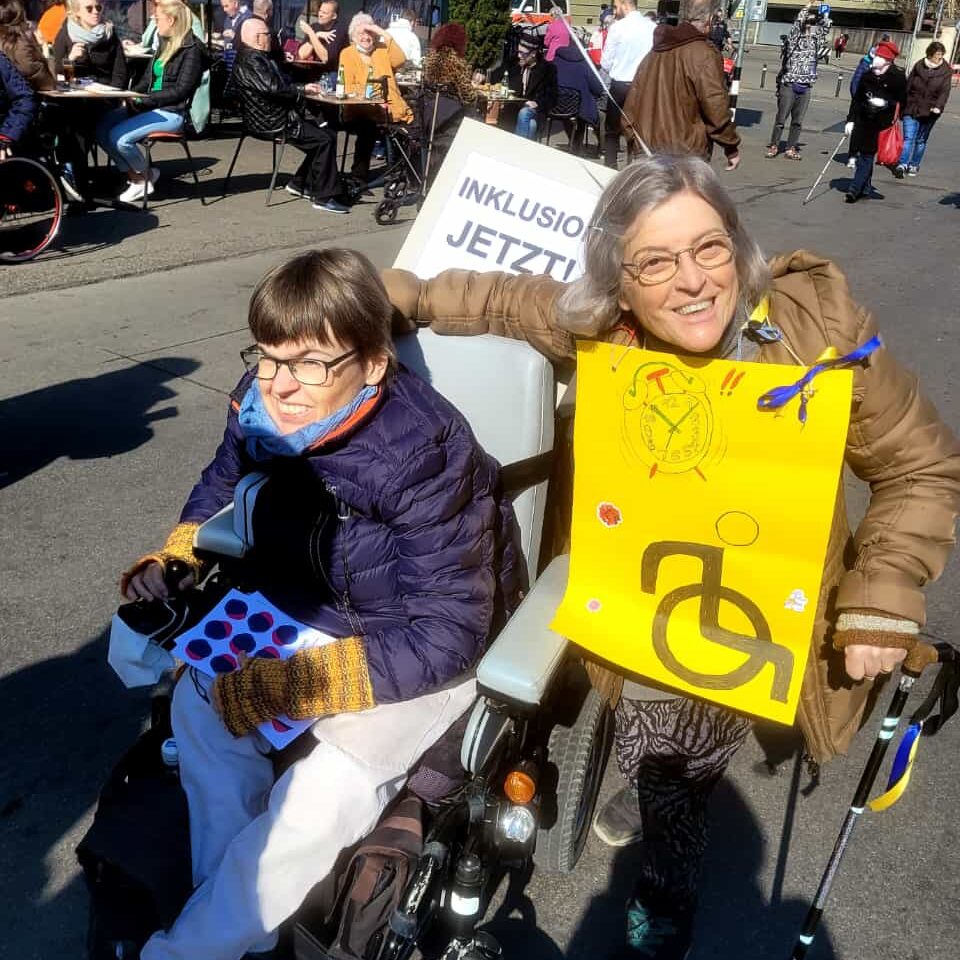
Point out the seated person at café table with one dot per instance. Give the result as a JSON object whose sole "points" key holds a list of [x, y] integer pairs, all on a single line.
{"points": [[166, 89], [271, 104], [535, 81], [90, 45], [445, 65], [235, 15], [19, 45], [372, 55], [17, 107], [150, 39], [325, 37]]}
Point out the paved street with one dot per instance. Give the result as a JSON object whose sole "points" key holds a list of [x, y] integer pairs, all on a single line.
{"points": [[116, 350]]}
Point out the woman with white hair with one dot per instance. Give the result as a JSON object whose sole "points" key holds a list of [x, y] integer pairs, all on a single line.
{"points": [[557, 35], [372, 55], [668, 265]]}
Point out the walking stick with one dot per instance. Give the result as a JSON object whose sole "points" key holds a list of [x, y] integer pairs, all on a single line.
{"points": [[823, 171], [945, 690]]}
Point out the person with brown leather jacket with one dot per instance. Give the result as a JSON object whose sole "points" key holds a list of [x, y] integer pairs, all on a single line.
{"points": [[678, 102], [18, 43], [669, 266]]}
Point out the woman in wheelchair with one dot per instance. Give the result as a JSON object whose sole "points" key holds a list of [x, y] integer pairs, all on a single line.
{"points": [[17, 107], [166, 89], [381, 524], [669, 266]]}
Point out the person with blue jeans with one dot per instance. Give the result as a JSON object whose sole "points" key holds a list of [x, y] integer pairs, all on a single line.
{"points": [[928, 87], [536, 81], [873, 109], [166, 89]]}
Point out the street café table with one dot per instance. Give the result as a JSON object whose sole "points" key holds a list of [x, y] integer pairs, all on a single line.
{"points": [[89, 91]]}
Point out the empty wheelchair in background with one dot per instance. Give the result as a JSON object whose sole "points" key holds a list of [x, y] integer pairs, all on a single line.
{"points": [[31, 208], [532, 749]]}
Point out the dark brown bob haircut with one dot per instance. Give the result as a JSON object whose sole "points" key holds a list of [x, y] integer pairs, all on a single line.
{"points": [[324, 296]]}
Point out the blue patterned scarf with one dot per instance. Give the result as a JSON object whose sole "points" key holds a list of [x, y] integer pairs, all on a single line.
{"points": [[264, 439]]}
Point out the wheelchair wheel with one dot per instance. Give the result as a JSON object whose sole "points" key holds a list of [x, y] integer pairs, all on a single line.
{"points": [[579, 752], [386, 212], [30, 209]]}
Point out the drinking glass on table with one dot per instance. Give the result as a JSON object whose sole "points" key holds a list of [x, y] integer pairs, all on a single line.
{"points": [[69, 71]]}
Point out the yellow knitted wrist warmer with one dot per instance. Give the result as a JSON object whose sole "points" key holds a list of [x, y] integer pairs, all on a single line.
{"points": [[313, 683], [179, 546]]}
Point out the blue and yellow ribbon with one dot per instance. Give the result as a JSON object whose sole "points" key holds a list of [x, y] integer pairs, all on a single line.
{"points": [[901, 769], [779, 397]]}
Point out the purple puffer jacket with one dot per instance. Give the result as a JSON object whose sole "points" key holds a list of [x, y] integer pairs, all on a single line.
{"points": [[395, 532]]}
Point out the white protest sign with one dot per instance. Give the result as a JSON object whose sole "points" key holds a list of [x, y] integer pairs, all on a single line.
{"points": [[500, 202]]}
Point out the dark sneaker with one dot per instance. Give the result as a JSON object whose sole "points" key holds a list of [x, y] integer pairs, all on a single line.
{"points": [[657, 935], [619, 824], [331, 206], [296, 189], [899, 170], [851, 198]]}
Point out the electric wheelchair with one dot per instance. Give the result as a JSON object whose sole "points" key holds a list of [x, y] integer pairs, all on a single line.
{"points": [[534, 745]]}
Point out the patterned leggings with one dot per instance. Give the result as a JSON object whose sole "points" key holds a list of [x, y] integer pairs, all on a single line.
{"points": [[675, 751]]}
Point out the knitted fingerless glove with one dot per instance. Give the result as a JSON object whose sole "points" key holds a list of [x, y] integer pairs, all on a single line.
{"points": [[875, 629], [179, 546], [314, 682]]}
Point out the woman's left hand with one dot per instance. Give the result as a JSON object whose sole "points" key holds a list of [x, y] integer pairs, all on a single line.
{"points": [[873, 642], [863, 661]]}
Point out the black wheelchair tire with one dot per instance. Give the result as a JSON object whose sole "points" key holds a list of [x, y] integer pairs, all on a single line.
{"points": [[579, 752], [39, 171]]}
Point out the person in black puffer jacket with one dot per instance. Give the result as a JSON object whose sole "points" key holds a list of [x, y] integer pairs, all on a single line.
{"points": [[91, 45], [928, 87], [270, 105], [168, 85], [873, 109]]}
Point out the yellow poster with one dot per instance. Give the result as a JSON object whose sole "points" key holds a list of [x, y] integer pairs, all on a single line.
{"points": [[700, 523]]}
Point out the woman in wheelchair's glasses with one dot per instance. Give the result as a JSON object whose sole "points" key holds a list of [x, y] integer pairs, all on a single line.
{"points": [[670, 266], [382, 525]]}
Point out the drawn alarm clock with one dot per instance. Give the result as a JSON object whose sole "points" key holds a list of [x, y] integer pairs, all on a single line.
{"points": [[668, 420]]}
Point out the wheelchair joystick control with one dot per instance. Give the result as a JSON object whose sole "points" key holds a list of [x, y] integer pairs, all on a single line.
{"points": [[466, 889]]}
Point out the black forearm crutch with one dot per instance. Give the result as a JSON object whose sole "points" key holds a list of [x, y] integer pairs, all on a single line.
{"points": [[945, 691]]}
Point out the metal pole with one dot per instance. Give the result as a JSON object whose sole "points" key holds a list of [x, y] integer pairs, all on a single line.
{"points": [[836, 92], [763, 77], [738, 63]]}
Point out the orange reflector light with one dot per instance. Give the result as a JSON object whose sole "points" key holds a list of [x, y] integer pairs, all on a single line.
{"points": [[519, 787]]}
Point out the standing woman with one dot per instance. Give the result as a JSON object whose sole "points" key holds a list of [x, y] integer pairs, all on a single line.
{"points": [[873, 108], [167, 86], [928, 87], [91, 45], [669, 266]]}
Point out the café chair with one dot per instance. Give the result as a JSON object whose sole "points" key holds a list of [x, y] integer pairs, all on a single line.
{"points": [[161, 137], [278, 139]]}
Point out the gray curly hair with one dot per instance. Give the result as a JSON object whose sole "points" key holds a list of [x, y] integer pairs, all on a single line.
{"points": [[590, 306]]}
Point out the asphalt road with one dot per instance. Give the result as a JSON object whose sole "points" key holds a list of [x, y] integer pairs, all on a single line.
{"points": [[112, 395]]}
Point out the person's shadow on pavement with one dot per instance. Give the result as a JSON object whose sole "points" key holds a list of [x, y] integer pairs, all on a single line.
{"points": [[86, 418]]}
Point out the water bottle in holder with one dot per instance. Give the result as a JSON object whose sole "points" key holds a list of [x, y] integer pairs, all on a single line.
{"points": [[341, 88], [369, 90]]}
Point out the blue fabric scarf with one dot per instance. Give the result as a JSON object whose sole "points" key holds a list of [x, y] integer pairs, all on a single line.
{"points": [[264, 439]]}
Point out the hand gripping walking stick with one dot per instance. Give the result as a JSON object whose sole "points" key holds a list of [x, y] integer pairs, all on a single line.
{"points": [[944, 691], [823, 171]]}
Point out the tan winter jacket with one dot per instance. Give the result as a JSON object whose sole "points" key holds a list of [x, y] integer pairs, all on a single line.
{"points": [[896, 442]]}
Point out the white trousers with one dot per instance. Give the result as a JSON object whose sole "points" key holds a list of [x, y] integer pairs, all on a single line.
{"points": [[259, 847]]}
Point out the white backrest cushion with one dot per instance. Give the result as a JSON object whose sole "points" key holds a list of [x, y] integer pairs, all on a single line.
{"points": [[505, 390]]}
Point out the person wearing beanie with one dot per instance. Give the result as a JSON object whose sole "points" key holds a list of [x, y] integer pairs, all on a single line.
{"points": [[873, 108]]}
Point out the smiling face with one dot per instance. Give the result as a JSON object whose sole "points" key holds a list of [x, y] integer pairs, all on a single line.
{"points": [[691, 310], [90, 13], [366, 41], [326, 15], [293, 405]]}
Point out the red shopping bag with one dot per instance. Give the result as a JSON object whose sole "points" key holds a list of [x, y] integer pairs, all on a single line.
{"points": [[890, 142]]}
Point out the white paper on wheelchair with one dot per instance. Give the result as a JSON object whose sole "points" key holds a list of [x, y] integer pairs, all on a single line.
{"points": [[248, 624]]}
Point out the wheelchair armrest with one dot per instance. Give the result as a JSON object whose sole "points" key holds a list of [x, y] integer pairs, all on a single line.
{"points": [[230, 531], [523, 659]]}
